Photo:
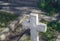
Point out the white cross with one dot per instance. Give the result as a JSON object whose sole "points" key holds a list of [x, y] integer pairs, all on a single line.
{"points": [[33, 24]]}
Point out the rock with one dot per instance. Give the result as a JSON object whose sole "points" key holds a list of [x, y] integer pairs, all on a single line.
{"points": [[3, 37]]}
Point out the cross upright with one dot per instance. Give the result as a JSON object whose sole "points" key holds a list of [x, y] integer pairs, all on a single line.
{"points": [[35, 27]]}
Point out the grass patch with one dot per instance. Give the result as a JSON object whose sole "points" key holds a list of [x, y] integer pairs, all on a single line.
{"points": [[6, 18]]}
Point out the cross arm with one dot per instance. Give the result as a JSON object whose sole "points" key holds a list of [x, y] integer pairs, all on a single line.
{"points": [[41, 27]]}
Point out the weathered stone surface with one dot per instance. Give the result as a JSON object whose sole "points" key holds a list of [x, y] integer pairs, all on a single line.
{"points": [[33, 24]]}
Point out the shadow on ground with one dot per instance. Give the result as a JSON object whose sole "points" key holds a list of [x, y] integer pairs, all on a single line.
{"points": [[18, 6]]}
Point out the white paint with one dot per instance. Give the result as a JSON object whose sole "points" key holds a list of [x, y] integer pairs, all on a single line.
{"points": [[33, 24]]}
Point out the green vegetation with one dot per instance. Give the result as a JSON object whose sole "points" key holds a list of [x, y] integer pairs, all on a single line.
{"points": [[52, 31], [6, 18], [52, 7], [49, 6], [54, 25]]}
